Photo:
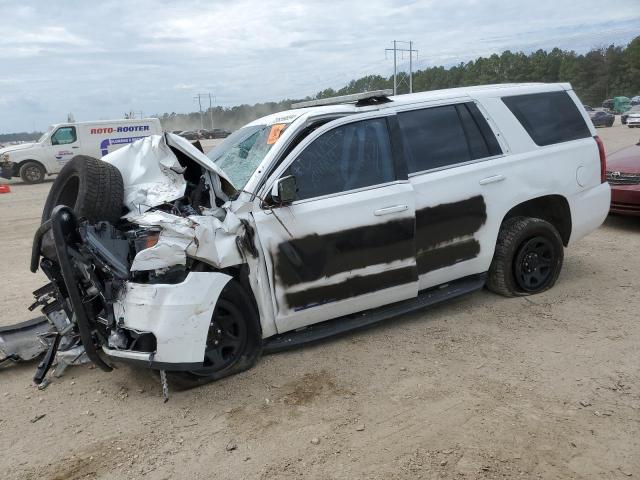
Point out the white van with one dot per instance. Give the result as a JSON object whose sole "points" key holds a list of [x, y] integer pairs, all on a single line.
{"points": [[62, 142]]}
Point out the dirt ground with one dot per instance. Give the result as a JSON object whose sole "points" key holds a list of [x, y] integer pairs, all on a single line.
{"points": [[481, 387]]}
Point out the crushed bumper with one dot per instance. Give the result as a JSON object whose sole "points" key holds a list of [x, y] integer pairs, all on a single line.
{"points": [[178, 316], [22, 341]]}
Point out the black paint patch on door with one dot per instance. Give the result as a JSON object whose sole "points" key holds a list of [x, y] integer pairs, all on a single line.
{"points": [[352, 287], [430, 260], [444, 233], [317, 256]]}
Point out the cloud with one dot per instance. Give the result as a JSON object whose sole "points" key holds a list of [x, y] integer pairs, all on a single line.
{"points": [[100, 59]]}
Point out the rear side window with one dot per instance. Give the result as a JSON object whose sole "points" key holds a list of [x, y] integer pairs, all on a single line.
{"points": [[549, 117], [443, 136], [345, 158]]}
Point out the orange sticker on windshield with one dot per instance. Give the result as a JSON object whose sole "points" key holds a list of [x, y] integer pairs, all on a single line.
{"points": [[276, 131]]}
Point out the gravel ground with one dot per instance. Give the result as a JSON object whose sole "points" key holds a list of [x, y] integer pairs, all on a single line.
{"points": [[481, 387]]}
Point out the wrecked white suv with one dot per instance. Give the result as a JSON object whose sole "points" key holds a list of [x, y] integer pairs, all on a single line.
{"points": [[314, 221]]}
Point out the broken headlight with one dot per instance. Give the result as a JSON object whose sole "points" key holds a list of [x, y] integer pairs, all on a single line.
{"points": [[146, 239]]}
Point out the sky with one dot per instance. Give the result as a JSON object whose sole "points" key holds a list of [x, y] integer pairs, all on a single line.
{"points": [[100, 59]]}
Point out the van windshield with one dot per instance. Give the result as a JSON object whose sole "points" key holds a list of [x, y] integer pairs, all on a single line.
{"points": [[43, 137], [241, 152]]}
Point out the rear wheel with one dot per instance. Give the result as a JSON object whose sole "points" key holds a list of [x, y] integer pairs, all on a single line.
{"points": [[528, 257], [234, 341], [32, 172]]}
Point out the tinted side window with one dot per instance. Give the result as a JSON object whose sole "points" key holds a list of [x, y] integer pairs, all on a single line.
{"points": [[549, 117], [351, 156], [434, 138], [482, 141]]}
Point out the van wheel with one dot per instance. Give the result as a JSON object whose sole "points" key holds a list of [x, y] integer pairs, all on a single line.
{"points": [[91, 187], [234, 340], [528, 257], [32, 172]]}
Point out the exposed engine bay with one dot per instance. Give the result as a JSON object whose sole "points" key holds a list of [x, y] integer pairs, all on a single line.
{"points": [[174, 225]]}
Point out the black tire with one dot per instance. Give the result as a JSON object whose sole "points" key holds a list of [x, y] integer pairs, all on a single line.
{"points": [[528, 257], [246, 350], [91, 187], [32, 172]]}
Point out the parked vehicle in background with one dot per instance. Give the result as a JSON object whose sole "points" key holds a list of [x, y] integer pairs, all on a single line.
{"points": [[190, 135], [177, 132], [633, 117], [220, 133], [621, 104], [623, 174], [600, 118], [588, 108], [33, 161], [608, 105], [306, 223], [635, 100], [213, 133], [633, 109]]}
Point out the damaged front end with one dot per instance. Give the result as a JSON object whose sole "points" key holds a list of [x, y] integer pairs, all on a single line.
{"points": [[143, 288]]}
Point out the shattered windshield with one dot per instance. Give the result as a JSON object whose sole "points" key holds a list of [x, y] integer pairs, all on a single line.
{"points": [[242, 151]]}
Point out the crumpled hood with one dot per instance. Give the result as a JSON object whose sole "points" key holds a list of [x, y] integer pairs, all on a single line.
{"points": [[152, 174], [15, 148]]}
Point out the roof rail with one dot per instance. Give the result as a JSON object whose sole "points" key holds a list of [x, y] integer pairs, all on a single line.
{"points": [[365, 98]]}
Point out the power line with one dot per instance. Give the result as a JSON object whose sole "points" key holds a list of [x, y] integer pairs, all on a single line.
{"points": [[399, 79], [199, 97]]}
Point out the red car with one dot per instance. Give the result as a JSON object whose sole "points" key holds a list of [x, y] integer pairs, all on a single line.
{"points": [[623, 174]]}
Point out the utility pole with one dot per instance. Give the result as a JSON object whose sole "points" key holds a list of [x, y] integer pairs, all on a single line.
{"points": [[398, 80], [199, 98], [200, 107], [210, 111]]}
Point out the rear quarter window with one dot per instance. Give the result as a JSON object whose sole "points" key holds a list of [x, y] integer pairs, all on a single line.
{"points": [[549, 117]]}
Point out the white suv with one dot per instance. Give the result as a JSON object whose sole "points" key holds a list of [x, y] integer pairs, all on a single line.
{"points": [[314, 221]]}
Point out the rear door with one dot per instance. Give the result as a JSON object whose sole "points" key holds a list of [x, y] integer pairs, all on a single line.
{"points": [[452, 158], [346, 244]]}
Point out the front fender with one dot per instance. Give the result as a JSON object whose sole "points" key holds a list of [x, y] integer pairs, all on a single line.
{"points": [[177, 314]]}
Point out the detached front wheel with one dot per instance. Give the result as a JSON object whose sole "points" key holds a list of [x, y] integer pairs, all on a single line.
{"points": [[528, 257], [234, 340]]}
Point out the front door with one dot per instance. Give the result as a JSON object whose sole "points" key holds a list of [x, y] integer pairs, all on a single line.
{"points": [[346, 244], [64, 144]]}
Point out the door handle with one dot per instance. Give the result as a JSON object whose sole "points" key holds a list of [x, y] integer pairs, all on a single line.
{"points": [[75, 147], [492, 179], [388, 210]]}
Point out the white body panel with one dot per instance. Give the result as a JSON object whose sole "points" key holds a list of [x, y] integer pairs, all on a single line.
{"points": [[178, 315], [94, 139], [321, 218]]}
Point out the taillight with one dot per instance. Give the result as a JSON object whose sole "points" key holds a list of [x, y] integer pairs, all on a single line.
{"points": [[603, 159]]}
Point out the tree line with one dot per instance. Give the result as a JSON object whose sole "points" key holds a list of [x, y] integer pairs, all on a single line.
{"points": [[597, 75]]}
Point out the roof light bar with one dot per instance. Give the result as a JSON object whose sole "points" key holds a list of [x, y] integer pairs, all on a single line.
{"points": [[353, 98]]}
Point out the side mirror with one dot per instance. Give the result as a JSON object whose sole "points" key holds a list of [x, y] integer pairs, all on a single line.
{"points": [[284, 190]]}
